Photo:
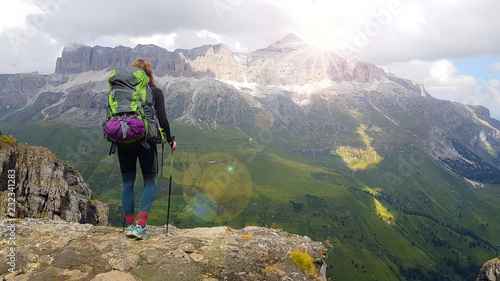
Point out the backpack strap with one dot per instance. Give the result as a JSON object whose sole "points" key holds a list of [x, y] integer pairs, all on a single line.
{"points": [[112, 149], [124, 127], [144, 99], [139, 105]]}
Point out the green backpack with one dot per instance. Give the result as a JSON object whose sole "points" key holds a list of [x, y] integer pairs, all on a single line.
{"points": [[131, 113]]}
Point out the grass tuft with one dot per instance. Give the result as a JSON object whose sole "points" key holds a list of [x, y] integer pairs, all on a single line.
{"points": [[9, 140], [305, 262]]}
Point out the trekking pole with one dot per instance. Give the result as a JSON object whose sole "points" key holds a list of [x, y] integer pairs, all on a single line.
{"points": [[162, 149], [124, 221], [170, 184]]}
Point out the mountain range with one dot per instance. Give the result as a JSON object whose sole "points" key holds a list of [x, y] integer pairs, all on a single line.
{"points": [[347, 152]]}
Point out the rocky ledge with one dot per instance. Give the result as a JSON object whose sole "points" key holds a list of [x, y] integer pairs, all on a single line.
{"points": [[490, 271], [47, 250]]}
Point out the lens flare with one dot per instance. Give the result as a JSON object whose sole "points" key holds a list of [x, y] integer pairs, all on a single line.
{"points": [[264, 120], [217, 188], [202, 208]]}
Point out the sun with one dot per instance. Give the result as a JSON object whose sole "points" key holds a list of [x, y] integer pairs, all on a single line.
{"points": [[320, 23], [319, 38]]}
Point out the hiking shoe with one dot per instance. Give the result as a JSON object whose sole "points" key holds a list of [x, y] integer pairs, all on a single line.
{"points": [[130, 231], [140, 233]]}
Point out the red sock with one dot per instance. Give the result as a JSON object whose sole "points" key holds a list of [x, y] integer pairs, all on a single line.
{"points": [[130, 219], [143, 219]]}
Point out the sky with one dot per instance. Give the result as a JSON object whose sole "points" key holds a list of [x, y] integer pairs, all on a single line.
{"points": [[452, 46]]}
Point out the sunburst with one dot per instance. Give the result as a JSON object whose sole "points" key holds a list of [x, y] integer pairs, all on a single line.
{"points": [[323, 26]]}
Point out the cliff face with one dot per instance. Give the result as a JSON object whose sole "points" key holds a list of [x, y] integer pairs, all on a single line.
{"points": [[215, 61], [484, 114], [43, 186], [291, 61], [302, 64], [48, 250], [490, 271]]}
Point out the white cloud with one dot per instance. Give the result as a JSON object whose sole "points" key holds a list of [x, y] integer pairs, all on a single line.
{"points": [[442, 81], [440, 75], [18, 58], [488, 95], [495, 91], [239, 48], [494, 105], [165, 41], [414, 69], [495, 66], [207, 34], [430, 30], [443, 74], [15, 15]]}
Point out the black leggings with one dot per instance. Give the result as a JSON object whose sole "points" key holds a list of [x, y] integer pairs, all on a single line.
{"points": [[148, 159]]}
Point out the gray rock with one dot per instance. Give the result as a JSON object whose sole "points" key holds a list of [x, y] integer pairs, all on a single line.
{"points": [[113, 276], [55, 249], [45, 186], [187, 248], [490, 271]]}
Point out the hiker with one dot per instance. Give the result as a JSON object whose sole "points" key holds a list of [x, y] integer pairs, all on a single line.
{"points": [[128, 153]]}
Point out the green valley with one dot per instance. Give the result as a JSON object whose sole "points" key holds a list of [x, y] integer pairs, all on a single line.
{"points": [[391, 214]]}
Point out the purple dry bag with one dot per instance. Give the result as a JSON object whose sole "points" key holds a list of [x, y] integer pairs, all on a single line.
{"points": [[125, 129]]}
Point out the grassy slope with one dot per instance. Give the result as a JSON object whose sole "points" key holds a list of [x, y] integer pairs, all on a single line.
{"points": [[405, 215]]}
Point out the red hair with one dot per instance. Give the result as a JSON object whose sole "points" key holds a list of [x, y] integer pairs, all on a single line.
{"points": [[144, 64]]}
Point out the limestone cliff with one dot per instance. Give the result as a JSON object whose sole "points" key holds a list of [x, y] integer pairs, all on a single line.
{"points": [[215, 61], [289, 61], [35, 183], [47, 250], [490, 271]]}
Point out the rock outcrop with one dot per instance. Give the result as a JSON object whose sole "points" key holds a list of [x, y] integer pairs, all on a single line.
{"points": [[490, 271], [47, 250], [35, 183], [484, 114]]}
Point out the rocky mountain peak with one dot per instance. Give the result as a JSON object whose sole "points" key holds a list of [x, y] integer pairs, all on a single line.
{"points": [[291, 38], [287, 44], [78, 63], [74, 47]]}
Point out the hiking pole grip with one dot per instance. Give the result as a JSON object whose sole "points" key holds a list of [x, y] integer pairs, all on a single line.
{"points": [[173, 139]]}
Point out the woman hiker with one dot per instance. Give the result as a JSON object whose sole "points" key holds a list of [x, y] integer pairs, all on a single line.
{"points": [[148, 161]]}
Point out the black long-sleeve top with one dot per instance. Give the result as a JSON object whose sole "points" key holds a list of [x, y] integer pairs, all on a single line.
{"points": [[159, 101]]}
